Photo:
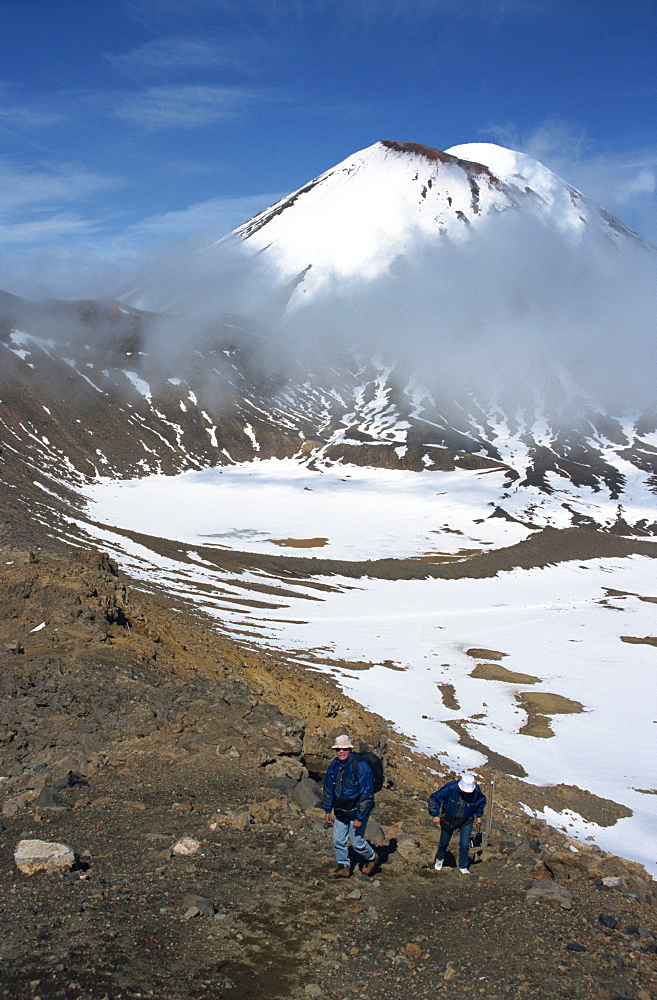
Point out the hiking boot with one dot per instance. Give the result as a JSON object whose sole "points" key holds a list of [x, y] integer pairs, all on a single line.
{"points": [[342, 871], [369, 867], [438, 866]]}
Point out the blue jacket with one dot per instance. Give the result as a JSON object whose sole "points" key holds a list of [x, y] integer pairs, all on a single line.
{"points": [[455, 807], [350, 799]]}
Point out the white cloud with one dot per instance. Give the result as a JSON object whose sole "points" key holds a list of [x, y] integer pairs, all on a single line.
{"points": [[188, 106], [175, 54], [643, 182], [47, 185], [220, 215], [45, 230], [19, 116], [69, 256], [17, 113]]}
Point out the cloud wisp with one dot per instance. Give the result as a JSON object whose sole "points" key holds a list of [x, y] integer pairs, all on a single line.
{"points": [[186, 106], [175, 55]]}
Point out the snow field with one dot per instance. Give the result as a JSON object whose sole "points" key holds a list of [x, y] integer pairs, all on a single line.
{"points": [[558, 624]]}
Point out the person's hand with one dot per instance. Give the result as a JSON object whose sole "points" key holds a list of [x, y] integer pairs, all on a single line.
{"points": [[328, 819], [435, 820], [357, 823], [480, 820]]}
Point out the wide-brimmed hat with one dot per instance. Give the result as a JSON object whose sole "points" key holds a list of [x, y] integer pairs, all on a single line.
{"points": [[467, 783], [343, 743]]}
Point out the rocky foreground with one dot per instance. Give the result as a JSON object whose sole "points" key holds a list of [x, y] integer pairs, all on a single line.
{"points": [[182, 773]]}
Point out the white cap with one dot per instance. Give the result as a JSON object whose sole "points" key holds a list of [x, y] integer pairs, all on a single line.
{"points": [[343, 743], [467, 783]]}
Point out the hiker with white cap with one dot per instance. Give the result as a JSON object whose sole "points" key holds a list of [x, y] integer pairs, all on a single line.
{"points": [[349, 795], [456, 806]]}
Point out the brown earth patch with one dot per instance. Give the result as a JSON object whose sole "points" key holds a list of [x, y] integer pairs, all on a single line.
{"points": [[448, 694], [540, 706], [300, 543], [496, 761], [446, 557], [391, 665], [543, 548], [647, 640], [591, 807], [479, 653], [496, 672], [629, 593]]}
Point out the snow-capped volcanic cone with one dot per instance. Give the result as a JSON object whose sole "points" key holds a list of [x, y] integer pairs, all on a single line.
{"points": [[376, 206]]}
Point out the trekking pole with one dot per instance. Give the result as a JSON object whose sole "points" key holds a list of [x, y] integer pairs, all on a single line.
{"points": [[490, 808]]}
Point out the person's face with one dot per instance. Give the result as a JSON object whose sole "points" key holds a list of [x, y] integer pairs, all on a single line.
{"points": [[343, 753]]}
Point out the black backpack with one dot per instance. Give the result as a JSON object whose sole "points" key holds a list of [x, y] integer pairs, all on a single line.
{"points": [[375, 763]]}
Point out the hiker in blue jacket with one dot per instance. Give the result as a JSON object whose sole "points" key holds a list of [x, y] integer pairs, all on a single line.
{"points": [[349, 794], [456, 806]]}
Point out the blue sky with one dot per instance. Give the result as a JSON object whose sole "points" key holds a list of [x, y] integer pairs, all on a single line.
{"points": [[128, 125]]}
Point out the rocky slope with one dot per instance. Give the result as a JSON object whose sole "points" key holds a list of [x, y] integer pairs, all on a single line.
{"points": [[128, 725]]}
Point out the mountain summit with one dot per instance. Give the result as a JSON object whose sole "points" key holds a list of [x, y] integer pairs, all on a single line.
{"points": [[362, 215]]}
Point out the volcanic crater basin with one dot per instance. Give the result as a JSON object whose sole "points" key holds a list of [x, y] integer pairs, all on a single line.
{"points": [[590, 687]]}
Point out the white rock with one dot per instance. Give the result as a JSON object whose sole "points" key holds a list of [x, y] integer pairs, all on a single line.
{"points": [[186, 846], [38, 855]]}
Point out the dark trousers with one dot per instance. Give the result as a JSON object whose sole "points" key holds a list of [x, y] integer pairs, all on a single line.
{"points": [[464, 843]]}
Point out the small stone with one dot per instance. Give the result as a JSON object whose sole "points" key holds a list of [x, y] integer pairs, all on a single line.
{"points": [[38, 855], [49, 798], [376, 834], [307, 794], [239, 819], [355, 894], [607, 920], [544, 890], [191, 912], [412, 950], [204, 907], [573, 946], [186, 846], [450, 972], [612, 882], [312, 990], [259, 813], [14, 805]]}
